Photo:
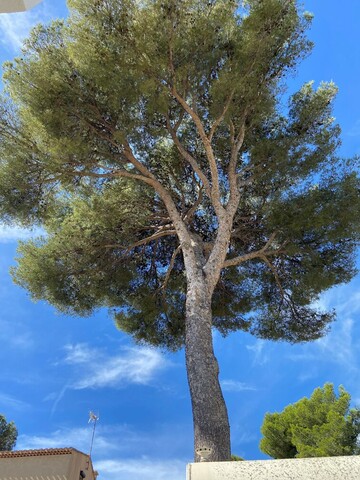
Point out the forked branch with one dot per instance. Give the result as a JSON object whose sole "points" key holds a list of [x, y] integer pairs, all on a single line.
{"points": [[188, 157], [276, 276], [170, 268], [215, 186], [232, 262], [144, 241], [221, 116]]}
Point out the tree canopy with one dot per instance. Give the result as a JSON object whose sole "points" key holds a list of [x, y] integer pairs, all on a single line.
{"points": [[88, 96], [8, 434], [175, 182], [323, 425]]}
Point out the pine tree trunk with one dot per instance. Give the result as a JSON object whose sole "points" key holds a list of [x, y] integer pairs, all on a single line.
{"points": [[211, 424]]}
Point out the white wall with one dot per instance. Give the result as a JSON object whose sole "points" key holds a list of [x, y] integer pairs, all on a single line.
{"points": [[329, 468]]}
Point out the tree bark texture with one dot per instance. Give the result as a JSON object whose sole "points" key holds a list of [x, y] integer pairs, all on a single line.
{"points": [[211, 424]]}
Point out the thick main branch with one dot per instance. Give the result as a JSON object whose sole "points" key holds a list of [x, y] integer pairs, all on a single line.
{"points": [[215, 185], [264, 251]]}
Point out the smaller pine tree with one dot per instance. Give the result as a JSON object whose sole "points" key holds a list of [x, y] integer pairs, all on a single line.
{"points": [[320, 426]]}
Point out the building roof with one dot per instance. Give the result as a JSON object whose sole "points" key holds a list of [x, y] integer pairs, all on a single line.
{"points": [[49, 463], [39, 452]]}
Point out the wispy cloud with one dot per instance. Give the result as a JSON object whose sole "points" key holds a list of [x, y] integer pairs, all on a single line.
{"points": [[11, 402], [13, 234], [354, 130], [80, 353], [79, 438], [235, 386], [340, 346], [56, 397], [308, 375], [98, 370], [111, 450], [142, 469], [15, 27], [258, 350], [344, 298], [242, 437], [16, 336]]}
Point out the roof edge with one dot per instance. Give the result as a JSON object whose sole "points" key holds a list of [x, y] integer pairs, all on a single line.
{"points": [[40, 452]]}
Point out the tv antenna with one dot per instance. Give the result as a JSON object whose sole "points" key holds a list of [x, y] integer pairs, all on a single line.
{"points": [[92, 419]]}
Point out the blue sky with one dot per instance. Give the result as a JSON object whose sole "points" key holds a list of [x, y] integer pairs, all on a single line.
{"points": [[54, 369]]}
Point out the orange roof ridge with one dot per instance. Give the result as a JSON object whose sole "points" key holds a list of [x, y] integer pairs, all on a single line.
{"points": [[38, 452]]}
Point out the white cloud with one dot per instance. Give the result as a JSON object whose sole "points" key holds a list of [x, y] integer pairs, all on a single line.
{"points": [[338, 345], [244, 437], [15, 27], [308, 375], [260, 356], [141, 469], [119, 439], [80, 353], [235, 386], [110, 443], [15, 335], [351, 304], [304, 356], [354, 130], [98, 370], [23, 341], [11, 402], [344, 298], [79, 438], [13, 234], [56, 397]]}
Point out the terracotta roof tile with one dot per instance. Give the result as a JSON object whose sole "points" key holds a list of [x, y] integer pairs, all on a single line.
{"points": [[37, 453]]}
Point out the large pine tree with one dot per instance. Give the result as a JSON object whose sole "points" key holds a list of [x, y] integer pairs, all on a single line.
{"points": [[151, 141]]}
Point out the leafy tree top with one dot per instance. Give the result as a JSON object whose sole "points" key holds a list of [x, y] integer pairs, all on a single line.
{"points": [[8, 434], [133, 121], [320, 426]]}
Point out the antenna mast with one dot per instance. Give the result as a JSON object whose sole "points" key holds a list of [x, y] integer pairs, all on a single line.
{"points": [[92, 418]]}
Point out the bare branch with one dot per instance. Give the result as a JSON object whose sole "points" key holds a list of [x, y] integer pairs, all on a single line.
{"points": [[273, 269], [188, 157], [179, 121], [215, 188], [144, 241], [232, 262], [269, 242], [170, 268], [110, 174], [236, 144], [138, 165], [193, 209], [221, 117]]}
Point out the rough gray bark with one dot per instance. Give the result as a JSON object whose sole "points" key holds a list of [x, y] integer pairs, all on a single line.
{"points": [[211, 424], [210, 418]]}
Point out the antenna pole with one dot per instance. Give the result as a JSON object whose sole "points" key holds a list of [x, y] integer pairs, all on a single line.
{"points": [[94, 418]]}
